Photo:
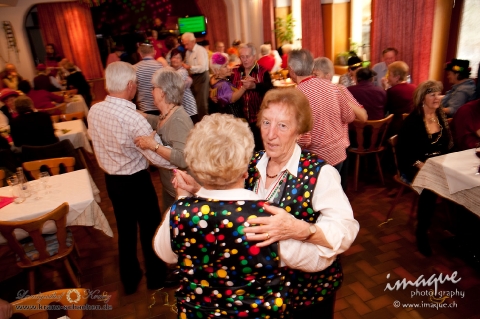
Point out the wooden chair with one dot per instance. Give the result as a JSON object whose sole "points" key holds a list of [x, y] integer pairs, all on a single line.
{"points": [[67, 92], [72, 116], [403, 185], [55, 118], [53, 165], [372, 146], [77, 297], [40, 249], [60, 107], [2, 177]]}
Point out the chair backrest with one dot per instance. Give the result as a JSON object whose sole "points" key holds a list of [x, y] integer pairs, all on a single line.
{"points": [[34, 228], [53, 165], [60, 149], [72, 116], [393, 143], [62, 107], [55, 118], [378, 131], [2, 177], [65, 297]]}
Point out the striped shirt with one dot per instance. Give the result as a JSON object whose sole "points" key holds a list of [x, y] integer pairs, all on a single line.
{"points": [[188, 102], [331, 112], [113, 126], [145, 70]]}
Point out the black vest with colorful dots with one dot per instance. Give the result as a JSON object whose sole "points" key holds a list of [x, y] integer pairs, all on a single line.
{"points": [[223, 275], [294, 195]]}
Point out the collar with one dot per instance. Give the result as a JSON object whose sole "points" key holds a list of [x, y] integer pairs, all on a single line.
{"points": [[147, 58], [307, 79], [228, 194], [291, 166], [117, 100]]}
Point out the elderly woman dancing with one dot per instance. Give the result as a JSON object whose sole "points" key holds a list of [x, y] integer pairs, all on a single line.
{"points": [[173, 126], [222, 274], [315, 222]]}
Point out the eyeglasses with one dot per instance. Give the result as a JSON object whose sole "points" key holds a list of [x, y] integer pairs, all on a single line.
{"points": [[266, 124], [242, 57]]}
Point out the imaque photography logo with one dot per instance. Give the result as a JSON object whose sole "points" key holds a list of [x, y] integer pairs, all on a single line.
{"points": [[436, 297]]}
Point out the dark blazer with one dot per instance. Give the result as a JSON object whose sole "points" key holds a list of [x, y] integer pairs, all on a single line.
{"points": [[415, 145], [76, 80], [35, 128]]}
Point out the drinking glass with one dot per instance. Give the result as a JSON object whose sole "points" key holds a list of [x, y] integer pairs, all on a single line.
{"points": [[16, 189], [36, 188], [44, 178]]}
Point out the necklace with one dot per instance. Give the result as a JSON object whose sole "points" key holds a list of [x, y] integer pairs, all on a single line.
{"points": [[272, 176], [162, 117]]}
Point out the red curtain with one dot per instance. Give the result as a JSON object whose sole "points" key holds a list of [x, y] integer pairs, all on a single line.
{"points": [[406, 25], [69, 26], [312, 27], [268, 22], [216, 13]]}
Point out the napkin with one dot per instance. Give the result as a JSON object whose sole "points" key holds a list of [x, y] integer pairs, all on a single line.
{"points": [[460, 169], [4, 201]]}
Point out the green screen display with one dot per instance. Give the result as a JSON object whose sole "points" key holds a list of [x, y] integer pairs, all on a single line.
{"points": [[192, 24]]}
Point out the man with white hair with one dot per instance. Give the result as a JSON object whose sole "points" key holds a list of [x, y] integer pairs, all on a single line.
{"points": [[145, 70], [196, 62], [113, 126]]}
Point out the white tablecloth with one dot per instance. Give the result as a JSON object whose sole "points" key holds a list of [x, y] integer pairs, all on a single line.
{"points": [[460, 169], [77, 134], [75, 188], [77, 105], [432, 176]]}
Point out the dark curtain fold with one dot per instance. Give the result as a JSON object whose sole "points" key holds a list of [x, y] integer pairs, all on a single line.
{"points": [[69, 26], [216, 13], [268, 22], [312, 27], [406, 25]]}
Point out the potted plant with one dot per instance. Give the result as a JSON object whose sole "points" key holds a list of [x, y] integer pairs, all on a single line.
{"points": [[284, 29]]}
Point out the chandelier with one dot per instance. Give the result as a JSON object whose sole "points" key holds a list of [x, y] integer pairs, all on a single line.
{"points": [[92, 3]]}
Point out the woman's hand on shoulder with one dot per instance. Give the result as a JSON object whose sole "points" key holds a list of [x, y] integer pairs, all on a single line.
{"points": [[280, 226], [146, 142], [183, 182]]}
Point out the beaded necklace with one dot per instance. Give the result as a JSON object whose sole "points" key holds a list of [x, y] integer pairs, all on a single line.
{"points": [[434, 120]]}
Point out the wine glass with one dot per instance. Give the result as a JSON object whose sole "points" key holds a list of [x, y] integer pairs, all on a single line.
{"points": [[36, 188], [16, 189], [44, 178]]}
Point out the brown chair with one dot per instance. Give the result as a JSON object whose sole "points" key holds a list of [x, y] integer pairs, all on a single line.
{"points": [[53, 165], [68, 297], [52, 110], [39, 249], [67, 92], [72, 116], [393, 142], [2, 177], [372, 145], [55, 118]]}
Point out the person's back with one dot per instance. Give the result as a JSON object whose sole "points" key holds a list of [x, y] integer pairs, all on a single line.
{"points": [[218, 263], [145, 70], [76, 80], [330, 110], [372, 97], [43, 99], [42, 82], [34, 129]]}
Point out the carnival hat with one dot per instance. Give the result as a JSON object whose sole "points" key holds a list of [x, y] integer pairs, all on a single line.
{"points": [[41, 67], [354, 62], [4, 93], [458, 66]]}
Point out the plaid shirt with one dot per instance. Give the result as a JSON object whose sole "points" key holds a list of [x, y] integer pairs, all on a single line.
{"points": [[113, 126]]}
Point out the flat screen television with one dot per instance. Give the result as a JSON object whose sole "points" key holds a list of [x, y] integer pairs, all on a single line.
{"points": [[197, 25]]}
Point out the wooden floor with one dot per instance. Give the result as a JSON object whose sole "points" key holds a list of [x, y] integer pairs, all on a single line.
{"points": [[377, 257]]}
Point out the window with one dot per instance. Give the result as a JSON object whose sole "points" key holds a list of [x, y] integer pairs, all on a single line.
{"points": [[469, 39]]}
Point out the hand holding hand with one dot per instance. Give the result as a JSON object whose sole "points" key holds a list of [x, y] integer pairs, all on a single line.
{"points": [[178, 179], [146, 142]]}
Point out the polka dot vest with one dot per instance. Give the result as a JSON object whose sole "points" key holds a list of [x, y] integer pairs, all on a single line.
{"points": [[294, 196], [223, 275]]}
